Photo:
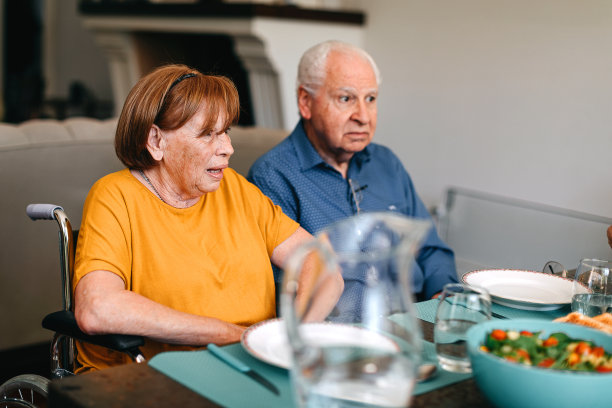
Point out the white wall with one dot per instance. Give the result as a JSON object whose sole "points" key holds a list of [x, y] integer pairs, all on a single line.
{"points": [[512, 97]]}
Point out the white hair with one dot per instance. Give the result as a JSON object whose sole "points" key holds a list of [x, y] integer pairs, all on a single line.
{"points": [[311, 69]]}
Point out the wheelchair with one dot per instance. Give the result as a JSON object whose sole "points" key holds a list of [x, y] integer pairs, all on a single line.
{"points": [[30, 390]]}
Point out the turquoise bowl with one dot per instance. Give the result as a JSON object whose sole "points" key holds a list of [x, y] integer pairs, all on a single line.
{"points": [[512, 385]]}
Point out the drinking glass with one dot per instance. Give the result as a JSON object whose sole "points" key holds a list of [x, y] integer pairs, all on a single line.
{"points": [[461, 307], [592, 291]]}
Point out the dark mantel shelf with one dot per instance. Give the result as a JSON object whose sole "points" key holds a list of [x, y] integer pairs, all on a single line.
{"points": [[215, 8]]}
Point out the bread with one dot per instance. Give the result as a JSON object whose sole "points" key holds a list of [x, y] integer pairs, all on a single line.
{"points": [[605, 318], [601, 322]]}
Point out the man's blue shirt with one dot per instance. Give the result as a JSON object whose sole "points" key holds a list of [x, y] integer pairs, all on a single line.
{"points": [[315, 194]]}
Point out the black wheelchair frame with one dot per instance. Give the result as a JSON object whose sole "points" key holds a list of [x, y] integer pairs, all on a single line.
{"points": [[29, 390]]}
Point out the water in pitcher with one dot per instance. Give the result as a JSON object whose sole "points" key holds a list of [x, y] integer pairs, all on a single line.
{"points": [[377, 378]]}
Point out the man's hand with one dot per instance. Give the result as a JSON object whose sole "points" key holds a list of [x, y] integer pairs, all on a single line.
{"points": [[610, 235]]}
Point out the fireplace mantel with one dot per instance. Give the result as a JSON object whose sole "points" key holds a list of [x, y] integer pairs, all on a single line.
{"points": [[268, 40]]}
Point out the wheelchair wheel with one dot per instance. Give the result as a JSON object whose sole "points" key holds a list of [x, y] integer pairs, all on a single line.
{"points": [[26, 390]]}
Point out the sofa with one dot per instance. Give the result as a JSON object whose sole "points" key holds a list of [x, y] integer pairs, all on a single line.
{"points": [[50, 161]]}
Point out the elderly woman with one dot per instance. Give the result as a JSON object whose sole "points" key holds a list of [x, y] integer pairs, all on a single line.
{"points": [[177, 246]]}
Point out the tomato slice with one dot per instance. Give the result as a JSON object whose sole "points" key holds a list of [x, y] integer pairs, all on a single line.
{"points": [[526, 333], [550, 342], [597, 351], [583, 348], [499, 334], [602, 369], [547, 362], [522, 353]]}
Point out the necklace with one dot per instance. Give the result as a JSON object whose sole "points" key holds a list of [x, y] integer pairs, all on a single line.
{"points": [[152, 186]]}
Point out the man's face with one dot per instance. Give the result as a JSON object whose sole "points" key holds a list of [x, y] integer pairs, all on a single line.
{"points": [[340, 119]]}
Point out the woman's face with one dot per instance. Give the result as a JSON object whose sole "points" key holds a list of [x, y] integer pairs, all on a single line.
{"points": [[193, 160]]}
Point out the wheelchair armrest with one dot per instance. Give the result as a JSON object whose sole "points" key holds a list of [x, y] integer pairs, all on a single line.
{"points": [[64, 322]]}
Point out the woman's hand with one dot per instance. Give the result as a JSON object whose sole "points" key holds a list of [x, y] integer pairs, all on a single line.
{"points": [[314, 306]]}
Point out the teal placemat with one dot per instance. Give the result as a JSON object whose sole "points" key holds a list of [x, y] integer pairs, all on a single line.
{"points": [[427, 311], [210, 377], [205, 374], [442, 377]]}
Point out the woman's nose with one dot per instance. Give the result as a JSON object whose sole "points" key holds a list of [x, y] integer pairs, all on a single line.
{"points": [[224, 147]]}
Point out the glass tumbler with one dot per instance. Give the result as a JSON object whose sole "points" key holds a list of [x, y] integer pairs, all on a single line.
{"points": [[461, 307], [592, 290]]}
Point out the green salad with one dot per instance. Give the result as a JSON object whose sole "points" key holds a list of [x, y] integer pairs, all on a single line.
{"points": [[558, 351]]}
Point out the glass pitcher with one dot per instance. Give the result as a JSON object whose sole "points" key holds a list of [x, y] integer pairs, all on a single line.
{"points": [[352, 330]]}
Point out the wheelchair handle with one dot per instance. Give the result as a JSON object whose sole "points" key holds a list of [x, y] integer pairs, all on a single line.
{"points": [[56, 212], [42, 211]]}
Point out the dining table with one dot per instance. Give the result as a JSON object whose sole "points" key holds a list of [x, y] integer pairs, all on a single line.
{"points": [[164, 382]]}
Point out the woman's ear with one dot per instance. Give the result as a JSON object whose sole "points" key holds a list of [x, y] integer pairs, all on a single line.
{"points": [[304, 103], [156, 143]]}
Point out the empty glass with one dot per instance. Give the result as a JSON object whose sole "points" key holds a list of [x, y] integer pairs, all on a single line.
{"points": [[461, 307], [354, 336], [592, 291], [555, 268]]}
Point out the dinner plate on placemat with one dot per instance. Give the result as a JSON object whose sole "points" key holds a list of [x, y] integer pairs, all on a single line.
{"points": [[528, 290], [267, 341]]}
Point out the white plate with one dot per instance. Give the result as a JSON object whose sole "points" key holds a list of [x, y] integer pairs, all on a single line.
{"points": [[520, 289], [267, 340]]}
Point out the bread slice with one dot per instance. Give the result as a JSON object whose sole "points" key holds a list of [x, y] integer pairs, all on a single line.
{"points": [[601, 322], [605, 318]]}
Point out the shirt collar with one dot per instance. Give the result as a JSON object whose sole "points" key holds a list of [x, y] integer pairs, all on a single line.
{"points": [[308, 156]]}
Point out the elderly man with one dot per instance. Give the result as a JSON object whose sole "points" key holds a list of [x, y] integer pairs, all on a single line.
{"points": [[328, 169]]}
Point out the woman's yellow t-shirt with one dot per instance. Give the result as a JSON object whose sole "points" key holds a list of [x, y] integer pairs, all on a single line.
{"points": [[211, 259]]}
